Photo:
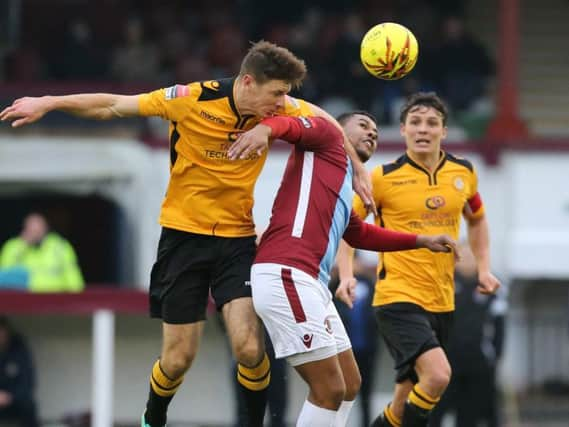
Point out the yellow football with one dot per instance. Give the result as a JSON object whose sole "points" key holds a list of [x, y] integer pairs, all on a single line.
{"points": [[389, 51]]}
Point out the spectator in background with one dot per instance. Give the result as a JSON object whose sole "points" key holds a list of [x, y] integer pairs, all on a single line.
{"points": [[80, 57], [460, 66], [47, 260], [474, 350], [17, 379], [347, 78], [360, 324], [135, 60]]}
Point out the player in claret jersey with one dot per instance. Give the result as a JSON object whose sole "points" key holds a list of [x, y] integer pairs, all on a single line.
{"points": [[208, 233], [289, 279]]}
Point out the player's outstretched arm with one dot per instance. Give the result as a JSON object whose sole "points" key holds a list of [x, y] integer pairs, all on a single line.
{"points": [[314, 132], [438, 243], [362, 235], [99, 106]]}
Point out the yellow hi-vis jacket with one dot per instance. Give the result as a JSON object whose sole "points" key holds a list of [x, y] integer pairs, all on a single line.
{"points": [[52, 265]]}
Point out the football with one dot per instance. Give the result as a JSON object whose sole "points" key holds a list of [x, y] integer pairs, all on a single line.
{"points": [[389, 51]]}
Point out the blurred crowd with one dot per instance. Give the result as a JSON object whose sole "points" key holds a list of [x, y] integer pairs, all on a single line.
{"points": [[159, 43]]}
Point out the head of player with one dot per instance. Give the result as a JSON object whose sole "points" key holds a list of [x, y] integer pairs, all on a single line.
{"points": [[361, 129], [268, 72], [423, 123]]}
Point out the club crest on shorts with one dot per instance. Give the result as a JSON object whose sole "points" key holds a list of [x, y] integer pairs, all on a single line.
{"points": [[328, 325], [307, 340]]}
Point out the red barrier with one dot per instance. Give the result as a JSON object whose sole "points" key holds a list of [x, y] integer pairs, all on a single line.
{"points": [[127, 301]]}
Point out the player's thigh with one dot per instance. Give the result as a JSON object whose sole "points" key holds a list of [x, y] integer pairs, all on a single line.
{"points": [[407, 332], [294, 308], [232, 278], [325, 379], [334, 323], [346, 356], [244, 330], [180, 342], [180, 277], [351, 373], [432, 362]]}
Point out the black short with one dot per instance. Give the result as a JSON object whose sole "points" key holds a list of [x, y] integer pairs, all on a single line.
{"points": [[188, 265], [409, 331]]}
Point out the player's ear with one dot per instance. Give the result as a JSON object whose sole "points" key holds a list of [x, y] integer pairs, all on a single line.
{"points": [[248, 79], [445, 132], [402, 129]]}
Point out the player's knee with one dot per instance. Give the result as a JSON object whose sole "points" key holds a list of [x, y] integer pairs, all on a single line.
{"points": [[353, 385], [438, 380], [176, 362], [329, 396], [249, 353], [337, 395]]}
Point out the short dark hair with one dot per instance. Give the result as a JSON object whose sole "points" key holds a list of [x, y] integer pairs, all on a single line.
{"points": [[424, 99], [267, 61], [344, 117]]}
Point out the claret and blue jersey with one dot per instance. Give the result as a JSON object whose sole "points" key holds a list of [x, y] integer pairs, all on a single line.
{"points": [[312, 211]]}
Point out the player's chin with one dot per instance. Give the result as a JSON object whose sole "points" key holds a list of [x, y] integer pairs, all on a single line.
{"points": [[423, 148]]}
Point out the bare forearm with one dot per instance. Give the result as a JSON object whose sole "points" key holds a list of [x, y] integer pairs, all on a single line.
{"points": [[479, 240], [98, 106], [344, 260]]}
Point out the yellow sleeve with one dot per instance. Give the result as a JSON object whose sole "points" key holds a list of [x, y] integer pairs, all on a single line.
{"points": [[169, 103], [359, 207], [358, 204], [376, 184], [297, 107]]}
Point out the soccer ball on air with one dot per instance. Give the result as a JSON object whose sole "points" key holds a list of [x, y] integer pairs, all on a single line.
{"points": [[389, 51]]}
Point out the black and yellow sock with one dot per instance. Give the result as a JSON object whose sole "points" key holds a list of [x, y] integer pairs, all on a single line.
{"points": [[162, 390], [253, 383], [387, 419], [391, 418], [418, 407]]}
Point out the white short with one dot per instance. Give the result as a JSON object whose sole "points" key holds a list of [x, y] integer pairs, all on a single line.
{"points": [[298, 312]]}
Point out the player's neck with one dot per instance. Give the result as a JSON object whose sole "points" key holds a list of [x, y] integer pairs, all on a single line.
{"points": [[428, 160]]}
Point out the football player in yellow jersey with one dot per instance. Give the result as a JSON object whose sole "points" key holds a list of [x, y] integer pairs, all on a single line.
{"points": [[208, 234], [426, 190]]}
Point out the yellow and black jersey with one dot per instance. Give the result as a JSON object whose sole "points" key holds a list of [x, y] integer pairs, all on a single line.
{"points": [[411, 198], [207, 192]]}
